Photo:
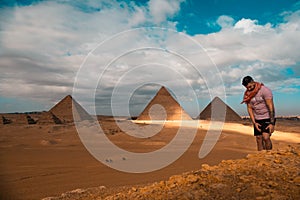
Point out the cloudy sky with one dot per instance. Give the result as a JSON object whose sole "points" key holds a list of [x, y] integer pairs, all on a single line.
{"points": [[113, 55]]}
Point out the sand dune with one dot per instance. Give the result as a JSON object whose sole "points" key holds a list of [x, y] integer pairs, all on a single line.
{"points": [[39, 161]]}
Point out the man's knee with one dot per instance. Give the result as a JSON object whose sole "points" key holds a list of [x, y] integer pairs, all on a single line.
{"points": [[259, 138], [266, 136]]}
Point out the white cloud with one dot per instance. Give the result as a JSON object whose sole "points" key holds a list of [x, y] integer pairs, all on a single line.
{"points": [[160, 10], [249, 41], [225, 21], [247, 25], [138, 17]]}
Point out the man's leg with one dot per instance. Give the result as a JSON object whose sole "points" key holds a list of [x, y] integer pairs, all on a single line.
{"points": [[259, 142], [267, 141], [264, 144]]}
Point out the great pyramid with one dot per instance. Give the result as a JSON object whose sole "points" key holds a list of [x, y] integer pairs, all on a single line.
{"points": [[222, 111], [63, 110], [167, 105]]}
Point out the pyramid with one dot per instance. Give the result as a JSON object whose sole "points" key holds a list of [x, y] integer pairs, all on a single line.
{"points": [[47, 118], [63, 110], [24, 118], [15, 118], [167, 109], [30, 120], [222, 111], [5, 120]]}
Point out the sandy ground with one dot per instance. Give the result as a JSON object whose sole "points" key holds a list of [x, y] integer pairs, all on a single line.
{"points": [[38, 161]]}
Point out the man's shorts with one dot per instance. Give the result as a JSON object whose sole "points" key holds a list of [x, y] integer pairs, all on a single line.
{"points": [[264, 123]]}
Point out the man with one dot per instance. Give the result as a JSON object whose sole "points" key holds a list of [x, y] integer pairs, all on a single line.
{"points": [[260, 106]]}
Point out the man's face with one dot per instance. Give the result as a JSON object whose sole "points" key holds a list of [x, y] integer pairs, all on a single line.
{"points": [[250, 86]]}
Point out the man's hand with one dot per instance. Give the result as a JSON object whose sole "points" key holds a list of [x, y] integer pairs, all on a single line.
{"points": [[271, 128], [257, 126]]}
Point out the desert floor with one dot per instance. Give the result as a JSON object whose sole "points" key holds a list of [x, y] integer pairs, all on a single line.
{"points": [[38, 161]]}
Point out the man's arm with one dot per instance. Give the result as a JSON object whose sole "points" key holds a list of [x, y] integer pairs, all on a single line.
{"points": [[270, 105], [250, 112]]}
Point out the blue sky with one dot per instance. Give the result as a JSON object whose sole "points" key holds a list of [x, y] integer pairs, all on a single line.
{"points": [[45, 48]]}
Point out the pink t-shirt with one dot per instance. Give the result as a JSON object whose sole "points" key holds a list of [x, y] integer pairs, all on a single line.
{"points": [[258, 104]]}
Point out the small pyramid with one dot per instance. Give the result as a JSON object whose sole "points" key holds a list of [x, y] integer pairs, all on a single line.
{"points": [[14, 118], [63, 111], [47, 118], [30, 120], [5, 120], [222, 111], [167, 109]]}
